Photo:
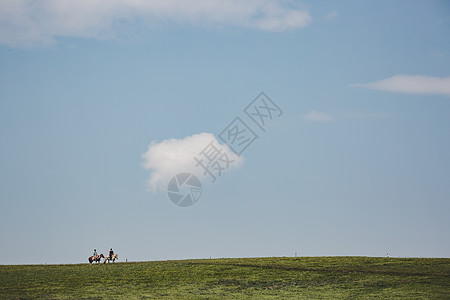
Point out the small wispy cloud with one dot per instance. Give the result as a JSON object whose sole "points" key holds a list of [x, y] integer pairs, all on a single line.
{"points": [[411, 85], [170, 157], [316, 116], [331, 15], [25, 23], [437, 54]]}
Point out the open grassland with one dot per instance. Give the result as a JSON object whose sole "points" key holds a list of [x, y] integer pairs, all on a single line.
{"points": [[246, 278]]}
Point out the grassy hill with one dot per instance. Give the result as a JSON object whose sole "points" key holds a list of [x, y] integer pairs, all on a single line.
{"points": [[246, 278]]}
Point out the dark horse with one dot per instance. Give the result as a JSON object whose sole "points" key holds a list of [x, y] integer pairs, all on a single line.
{"points": [[95, 259]]}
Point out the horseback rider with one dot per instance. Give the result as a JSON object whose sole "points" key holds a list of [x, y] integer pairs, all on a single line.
{"points": [[111, 253], [95, 254]]}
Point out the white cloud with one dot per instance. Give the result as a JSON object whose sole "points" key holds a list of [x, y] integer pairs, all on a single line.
{"points": [[38, 23], [331, 15], [316, 116], [411, 85], [170, 157]]}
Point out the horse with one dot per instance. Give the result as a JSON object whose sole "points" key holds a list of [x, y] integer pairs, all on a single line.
{"points": [[113, 258], [96, 259]]}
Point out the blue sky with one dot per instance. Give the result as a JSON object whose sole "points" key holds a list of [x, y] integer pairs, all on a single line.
{"points": [[358, 164]]}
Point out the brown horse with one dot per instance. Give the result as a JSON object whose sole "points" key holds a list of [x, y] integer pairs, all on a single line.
{"points": [[95, 259]]}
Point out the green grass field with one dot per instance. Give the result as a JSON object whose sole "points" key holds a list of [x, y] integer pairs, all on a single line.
{"points": [[246, 278]]}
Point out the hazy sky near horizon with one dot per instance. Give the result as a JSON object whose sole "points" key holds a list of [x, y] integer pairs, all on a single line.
{"points": [[101, 102]]}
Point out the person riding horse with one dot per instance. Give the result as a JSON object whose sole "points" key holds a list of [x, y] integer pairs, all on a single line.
{"points": [[95, 258], [111, 253]]}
